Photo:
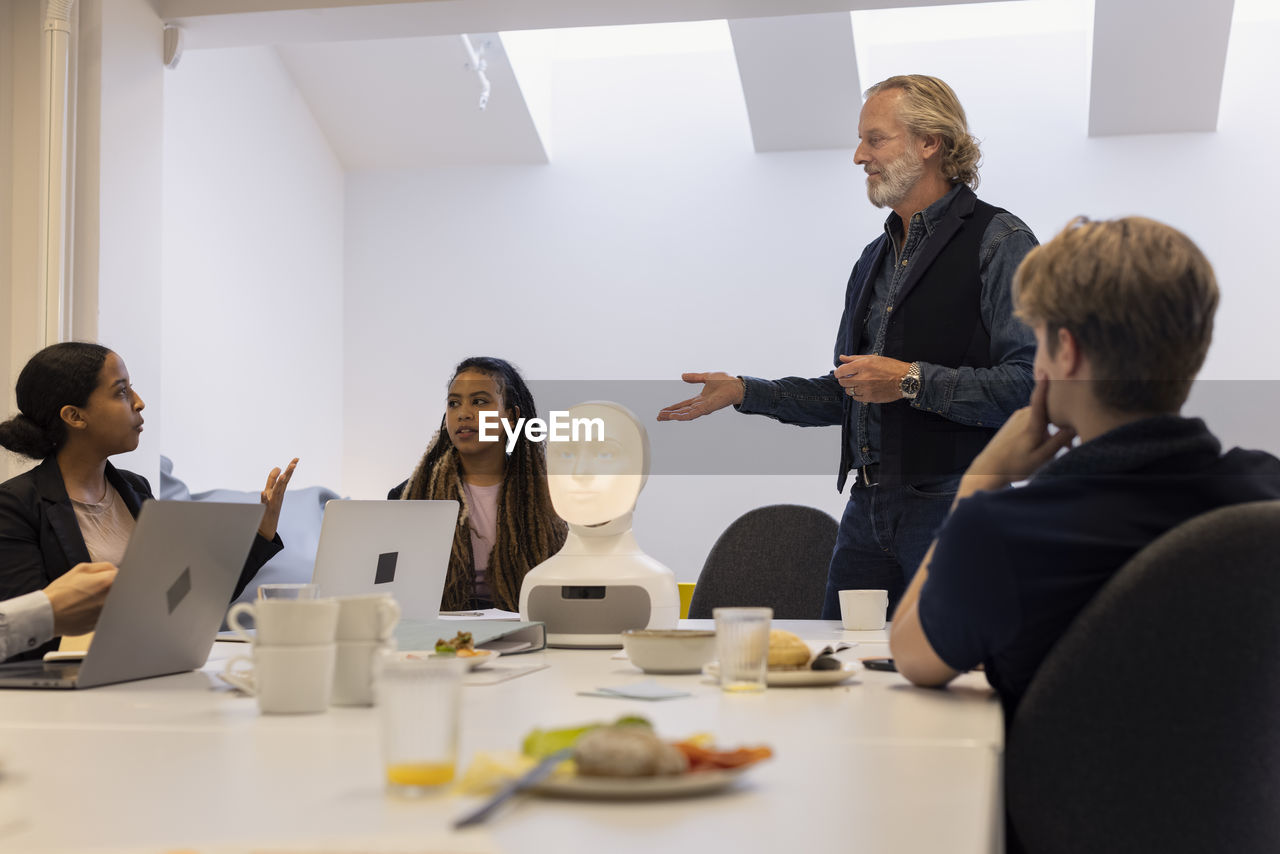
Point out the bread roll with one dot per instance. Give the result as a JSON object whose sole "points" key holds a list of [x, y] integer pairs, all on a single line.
{"points": [[786, 650], [627, 751]]}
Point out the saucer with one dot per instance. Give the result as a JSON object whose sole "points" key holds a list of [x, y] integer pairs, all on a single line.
{"points": [[640, 788], [798, 678]]}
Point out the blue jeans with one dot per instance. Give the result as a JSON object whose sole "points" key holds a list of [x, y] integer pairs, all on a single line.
{"points": [[884, 535]]}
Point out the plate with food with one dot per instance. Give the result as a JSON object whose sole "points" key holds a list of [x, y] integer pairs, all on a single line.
{"points": [[798, 678], [638, 788], [629, 761], [794, 663], [462, 647]]}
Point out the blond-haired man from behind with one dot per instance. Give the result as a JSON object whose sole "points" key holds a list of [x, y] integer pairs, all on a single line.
{"points": [[1123, 315]]}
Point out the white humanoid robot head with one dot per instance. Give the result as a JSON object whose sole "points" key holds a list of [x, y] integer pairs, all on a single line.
{"points": [[594, 480]]}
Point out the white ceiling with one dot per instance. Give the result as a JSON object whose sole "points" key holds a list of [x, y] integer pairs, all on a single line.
{"points": [[390, 85], [406, 103], [239, 23]]}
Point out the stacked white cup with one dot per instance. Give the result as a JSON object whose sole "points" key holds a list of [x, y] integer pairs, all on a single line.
{"points": [[364, 631], [293, 653]]}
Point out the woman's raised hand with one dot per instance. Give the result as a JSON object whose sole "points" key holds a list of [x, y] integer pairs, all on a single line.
{"points": [[273, 498]]}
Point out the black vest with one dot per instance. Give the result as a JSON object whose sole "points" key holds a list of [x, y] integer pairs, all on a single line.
{"points": [[937, 319]]}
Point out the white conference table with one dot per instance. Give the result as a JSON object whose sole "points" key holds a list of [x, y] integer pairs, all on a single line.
{"points": [[185, 763]]}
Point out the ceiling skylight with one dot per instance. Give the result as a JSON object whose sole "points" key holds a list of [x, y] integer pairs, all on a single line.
{"points": [[1255, 10], [606, 42], [533, 54]]}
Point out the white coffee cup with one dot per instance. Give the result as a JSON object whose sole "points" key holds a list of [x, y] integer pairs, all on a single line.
{"points": [[863, 610], [354, 669], [286, 679], [287, 622], [367, 618]]}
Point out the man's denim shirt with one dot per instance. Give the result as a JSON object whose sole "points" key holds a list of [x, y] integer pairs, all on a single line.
{"points": [[981, 397]]}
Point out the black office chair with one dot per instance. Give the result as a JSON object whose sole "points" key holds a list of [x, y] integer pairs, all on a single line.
{"points": [[775, 556], [1154, 724]]}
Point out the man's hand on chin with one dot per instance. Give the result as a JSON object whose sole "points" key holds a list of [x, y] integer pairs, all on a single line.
{"points": [[1022, 446]]}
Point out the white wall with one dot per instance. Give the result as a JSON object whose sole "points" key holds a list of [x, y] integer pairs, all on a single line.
{"points": [[657, 242], [117, 229], [649, 246], [252, 259]]}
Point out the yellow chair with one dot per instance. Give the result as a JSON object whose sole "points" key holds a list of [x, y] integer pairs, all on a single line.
{"points": [[686, 596]]}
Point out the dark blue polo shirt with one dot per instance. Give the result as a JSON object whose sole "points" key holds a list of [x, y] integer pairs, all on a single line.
{"points": [[1012, 568]]}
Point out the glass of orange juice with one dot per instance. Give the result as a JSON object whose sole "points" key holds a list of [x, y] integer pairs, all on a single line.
{"points": [[418, 699]]}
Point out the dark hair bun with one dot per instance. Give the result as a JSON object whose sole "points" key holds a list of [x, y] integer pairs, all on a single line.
{"points": [[62, 374], [23, 436]]}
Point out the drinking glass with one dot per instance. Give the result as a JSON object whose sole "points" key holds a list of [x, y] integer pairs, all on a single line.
{"points": [[418, 702], [742, 646], [286, 591]]}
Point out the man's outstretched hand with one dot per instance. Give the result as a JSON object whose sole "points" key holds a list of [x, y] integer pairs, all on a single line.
{"points": [[718, 391]]}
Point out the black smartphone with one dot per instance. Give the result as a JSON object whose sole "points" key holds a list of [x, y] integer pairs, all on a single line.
{"points": [[880, 664]]}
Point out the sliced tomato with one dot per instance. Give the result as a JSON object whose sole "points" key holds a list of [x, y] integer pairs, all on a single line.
{"points": [[705, 759]]}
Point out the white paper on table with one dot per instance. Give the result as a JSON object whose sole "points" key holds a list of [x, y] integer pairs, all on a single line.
{"points": [[486, 614], [646, 689], [494, 673]]}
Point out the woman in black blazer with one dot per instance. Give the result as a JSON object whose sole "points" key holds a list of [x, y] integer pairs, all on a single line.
{"points": [[76, 409]]}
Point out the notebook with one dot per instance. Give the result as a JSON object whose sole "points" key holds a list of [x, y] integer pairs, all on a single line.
{"points": [[176, 578], [396, 547]]}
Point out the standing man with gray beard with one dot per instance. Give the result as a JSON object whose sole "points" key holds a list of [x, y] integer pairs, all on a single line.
{"points": [[929, 359]]}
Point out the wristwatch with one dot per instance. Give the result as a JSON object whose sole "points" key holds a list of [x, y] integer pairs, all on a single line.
{"points": [[909, 385]]}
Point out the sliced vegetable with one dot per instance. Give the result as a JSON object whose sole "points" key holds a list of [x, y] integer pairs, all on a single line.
{"points": [[462, 642], [702, 758], [540, 742]]}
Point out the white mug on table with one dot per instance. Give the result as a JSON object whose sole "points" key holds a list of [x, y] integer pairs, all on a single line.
{"points": [[286, 621], [295, 679], [863, 610], [354, 671], [293, 653], [365, 624], [367, 618]]}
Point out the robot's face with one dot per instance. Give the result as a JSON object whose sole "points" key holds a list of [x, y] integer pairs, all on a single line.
{"points": [[596, 476]]}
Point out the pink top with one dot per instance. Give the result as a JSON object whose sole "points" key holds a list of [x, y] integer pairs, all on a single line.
{"points": [[105, 526], [482, 501]]}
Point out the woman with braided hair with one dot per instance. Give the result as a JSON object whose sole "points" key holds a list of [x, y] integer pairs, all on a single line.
{"points": [[507, 525]]}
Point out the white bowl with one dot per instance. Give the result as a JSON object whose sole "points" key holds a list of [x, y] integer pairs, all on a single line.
{"points": [[669, 650]]}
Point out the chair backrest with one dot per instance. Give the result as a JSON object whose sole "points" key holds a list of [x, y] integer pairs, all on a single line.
{"points": [[775, 556], [1154, 724]]}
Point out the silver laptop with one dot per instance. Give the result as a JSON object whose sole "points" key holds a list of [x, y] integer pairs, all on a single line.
{"points": [[175, 580], [396, 547]]}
